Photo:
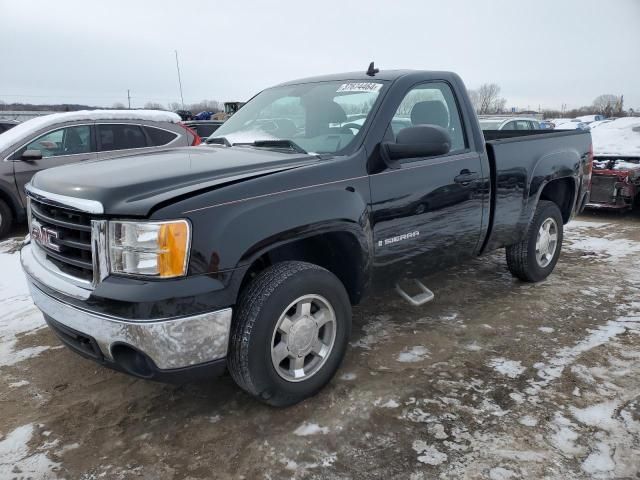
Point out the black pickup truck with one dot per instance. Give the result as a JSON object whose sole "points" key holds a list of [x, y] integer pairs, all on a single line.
{"points": [[247, 253]]}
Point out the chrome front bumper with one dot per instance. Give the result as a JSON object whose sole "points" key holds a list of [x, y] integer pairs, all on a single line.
{"points": [[171, 343]]}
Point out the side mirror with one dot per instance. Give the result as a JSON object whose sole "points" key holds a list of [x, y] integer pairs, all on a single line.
{"points": [[416, 142], [31, 155]]}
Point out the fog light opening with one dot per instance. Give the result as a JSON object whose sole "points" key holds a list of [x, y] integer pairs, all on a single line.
{"points": [[132, 361]]}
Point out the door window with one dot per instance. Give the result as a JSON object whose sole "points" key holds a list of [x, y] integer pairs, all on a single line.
{"points": [[523, 125], [64, 141], [431, 103], [120, 137], [159, 136]]}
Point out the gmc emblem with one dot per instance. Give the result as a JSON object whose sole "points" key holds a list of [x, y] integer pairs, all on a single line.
{"points": [[44, 236]]}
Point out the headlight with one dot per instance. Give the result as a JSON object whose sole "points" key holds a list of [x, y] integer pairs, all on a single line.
{"points": [[158, 249]]}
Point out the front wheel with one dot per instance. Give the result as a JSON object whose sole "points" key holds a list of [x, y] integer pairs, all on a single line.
{"points": [[533, 259], [290, 332]]}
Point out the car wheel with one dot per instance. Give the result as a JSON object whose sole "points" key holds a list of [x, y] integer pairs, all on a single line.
{"points": [[289, 332], [6, 218], [533, 259]]}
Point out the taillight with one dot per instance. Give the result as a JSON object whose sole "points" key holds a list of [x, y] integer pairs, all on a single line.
{"points": [[196, 137], [589, 165]]}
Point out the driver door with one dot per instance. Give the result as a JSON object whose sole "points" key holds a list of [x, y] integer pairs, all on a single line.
{"points": [[427, 213]]}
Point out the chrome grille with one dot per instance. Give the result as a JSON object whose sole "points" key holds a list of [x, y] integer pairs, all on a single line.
{"points": [[68, 242]]}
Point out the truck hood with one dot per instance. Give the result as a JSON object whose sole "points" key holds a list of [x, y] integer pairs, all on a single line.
{"points": [[134, 184]]}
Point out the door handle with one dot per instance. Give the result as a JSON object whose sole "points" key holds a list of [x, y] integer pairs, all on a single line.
{"points": [[466, 177]]}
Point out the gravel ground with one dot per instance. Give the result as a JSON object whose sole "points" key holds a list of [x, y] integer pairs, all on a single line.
{"points": [[494, 379]]}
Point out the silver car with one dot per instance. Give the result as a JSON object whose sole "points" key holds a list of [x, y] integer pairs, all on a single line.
{"points": [[63, 138]]}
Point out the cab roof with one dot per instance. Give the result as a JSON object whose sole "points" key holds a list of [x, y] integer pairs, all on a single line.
{"points": [[383, 75]]}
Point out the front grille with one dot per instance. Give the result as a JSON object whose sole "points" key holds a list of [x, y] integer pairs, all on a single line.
{"points": [[72, 236], [602, 188]]}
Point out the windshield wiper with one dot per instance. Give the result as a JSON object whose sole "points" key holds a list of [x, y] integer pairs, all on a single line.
{"points": [[283, 143], [219, 141]]}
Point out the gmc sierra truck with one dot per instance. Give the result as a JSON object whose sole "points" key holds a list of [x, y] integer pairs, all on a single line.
{"points": [[246, 254]]}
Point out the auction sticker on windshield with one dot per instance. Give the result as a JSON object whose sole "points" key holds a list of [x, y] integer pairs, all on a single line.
{"points": [[359, 87]]}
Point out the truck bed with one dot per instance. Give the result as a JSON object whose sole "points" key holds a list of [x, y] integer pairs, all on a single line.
{"points": [[516, 159]]}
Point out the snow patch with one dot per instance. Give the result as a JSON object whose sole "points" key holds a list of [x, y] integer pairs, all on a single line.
{"points": [[500, 473], [310, 429], [437, 430], [510, 368], [473, 347], [415, 354], [20, 383], [600, 415], [15, 456], [19, 315], [620, 137], [547, 329], [600, 461], [554, 367], [528, 421], [428, 454]]}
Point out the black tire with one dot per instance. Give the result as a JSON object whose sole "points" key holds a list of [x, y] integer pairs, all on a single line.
{"points": [[6, 218], [521, 257], [258, 310]]}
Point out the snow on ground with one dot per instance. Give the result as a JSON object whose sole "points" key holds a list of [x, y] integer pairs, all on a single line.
{"points": [[17, 458], [414, 354], [28, 127], [310, 429], [607, 243], [510, 368], [620, 137], [18, 314]]}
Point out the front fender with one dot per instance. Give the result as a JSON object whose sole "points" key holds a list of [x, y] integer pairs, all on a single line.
{"points": [[230, 236]]}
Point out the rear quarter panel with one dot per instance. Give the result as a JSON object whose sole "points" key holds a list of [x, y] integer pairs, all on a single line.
{"points": [[523, 167]]}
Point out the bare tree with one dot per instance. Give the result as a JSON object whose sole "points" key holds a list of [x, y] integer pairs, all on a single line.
{"points": [[608, 104], [486, 99], [153, 106], [118, 105], [206, 106]]}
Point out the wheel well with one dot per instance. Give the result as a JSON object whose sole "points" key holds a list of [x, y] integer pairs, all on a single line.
{"points": [[560, 192], [338, 252]]}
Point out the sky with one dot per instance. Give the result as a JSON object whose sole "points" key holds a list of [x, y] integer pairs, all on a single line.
{"points": [[542, 53]]}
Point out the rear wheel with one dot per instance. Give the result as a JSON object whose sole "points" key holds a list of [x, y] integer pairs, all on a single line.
{"points": [[6, 218], [290, 332], [533, 259]]}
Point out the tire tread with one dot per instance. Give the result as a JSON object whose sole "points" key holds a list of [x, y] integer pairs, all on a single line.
{"points": [[518, 254], [249, 307]]}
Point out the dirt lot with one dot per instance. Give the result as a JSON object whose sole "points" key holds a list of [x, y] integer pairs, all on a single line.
{"points": [[494, 379]]}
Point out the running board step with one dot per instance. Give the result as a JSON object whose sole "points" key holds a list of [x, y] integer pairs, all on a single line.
{"points": [[419, 299]]}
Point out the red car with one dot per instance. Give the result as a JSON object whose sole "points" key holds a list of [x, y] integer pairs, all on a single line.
{"points": [[616, 166]]}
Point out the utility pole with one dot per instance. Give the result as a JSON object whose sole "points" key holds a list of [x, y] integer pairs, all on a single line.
{"points": [[129, 98], [179, 79]]}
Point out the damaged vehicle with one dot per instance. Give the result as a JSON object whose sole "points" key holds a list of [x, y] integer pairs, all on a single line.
{"points": [[248, 253], [616, 167]]}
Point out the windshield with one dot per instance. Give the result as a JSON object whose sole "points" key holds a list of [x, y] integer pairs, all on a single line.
{"points": [[321, 117]]}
